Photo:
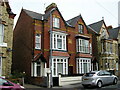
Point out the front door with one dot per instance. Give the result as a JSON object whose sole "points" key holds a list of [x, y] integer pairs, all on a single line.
{"points": [[70, 70]]}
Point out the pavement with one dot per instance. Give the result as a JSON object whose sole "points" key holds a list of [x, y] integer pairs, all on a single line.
{"points": [[69, 86], [30, 87]]}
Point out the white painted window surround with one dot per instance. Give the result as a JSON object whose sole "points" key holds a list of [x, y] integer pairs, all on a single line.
{"points": [[83, 65], [38, 41], [37, 69], [83, 45], [56, 22], [58, 40], [2, 44], [59, 65]]}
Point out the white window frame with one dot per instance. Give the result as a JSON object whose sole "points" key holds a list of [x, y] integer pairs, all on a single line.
{"points": [[55, 37], [83, 45], [37, 41], [80, 28], [59, 60], [34, 69], [56, 22], [2, 44], [80, 65], [2, 33]]}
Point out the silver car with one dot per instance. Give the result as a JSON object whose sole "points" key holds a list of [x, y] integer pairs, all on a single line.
{"points": [[98, 78]]}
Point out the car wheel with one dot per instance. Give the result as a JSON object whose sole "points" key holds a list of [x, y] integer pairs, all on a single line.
{"points": [[99, 84], [115, 81]]}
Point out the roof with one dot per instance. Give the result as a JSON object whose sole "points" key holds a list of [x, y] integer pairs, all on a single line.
{"points": [[89, 28], [8, 8], [39, 56], [73, 20], [34, 15], [96, 26], [40, 16], [114, 33]]}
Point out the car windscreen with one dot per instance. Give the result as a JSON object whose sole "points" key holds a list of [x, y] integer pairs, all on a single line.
{"points": [[89, 74]]}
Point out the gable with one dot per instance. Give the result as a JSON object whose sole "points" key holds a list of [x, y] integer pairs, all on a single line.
{"points": [[55, 13], [76, 21], [81, 22], [104, 32]]}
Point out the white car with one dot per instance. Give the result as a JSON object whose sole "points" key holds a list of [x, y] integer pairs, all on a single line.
{"points": [[98, 78]]}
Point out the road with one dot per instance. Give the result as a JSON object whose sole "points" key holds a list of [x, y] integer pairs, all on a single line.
{"points": [[106, 87], [74, 87]]}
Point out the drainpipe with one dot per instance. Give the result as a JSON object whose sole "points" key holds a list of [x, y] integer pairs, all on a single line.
{"points": [[50, 60]]}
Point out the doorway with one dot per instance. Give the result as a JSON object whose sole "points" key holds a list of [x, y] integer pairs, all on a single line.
{"points": [[70, 70]]}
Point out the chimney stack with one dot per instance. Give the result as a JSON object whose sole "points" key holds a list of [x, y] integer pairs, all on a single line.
{"points": [[51, 6]]}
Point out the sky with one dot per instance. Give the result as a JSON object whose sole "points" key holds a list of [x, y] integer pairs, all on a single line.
{"points": [[91, 10]]}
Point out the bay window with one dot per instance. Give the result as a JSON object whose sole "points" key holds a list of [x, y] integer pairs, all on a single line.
{"points": [[58, 41], [83, 65], [60, 65], [83, 46]]}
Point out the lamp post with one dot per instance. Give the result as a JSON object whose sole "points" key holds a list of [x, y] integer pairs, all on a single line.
{"points": [[50, 60]]}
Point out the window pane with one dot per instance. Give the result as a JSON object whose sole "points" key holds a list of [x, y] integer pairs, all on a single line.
{"points": [[54, 41], [82, 45], [1, 33], [80, 28], [60, 67], [54, 69], [59, 43], [56, 22], [37, 41]]}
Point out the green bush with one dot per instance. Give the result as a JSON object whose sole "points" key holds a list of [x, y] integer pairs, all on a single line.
{"points": [[16, 77]]}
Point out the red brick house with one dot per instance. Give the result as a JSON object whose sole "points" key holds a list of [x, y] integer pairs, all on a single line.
{"points": [[69, 52]]}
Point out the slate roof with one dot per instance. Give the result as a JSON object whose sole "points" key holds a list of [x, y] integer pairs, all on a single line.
{"points": [[73, 20], [34, 15], [45, 16], [114, 33], [40, 16], [96, 26]]}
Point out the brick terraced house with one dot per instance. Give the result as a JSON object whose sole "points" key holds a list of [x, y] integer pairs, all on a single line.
{"points": [[44, 42]]}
